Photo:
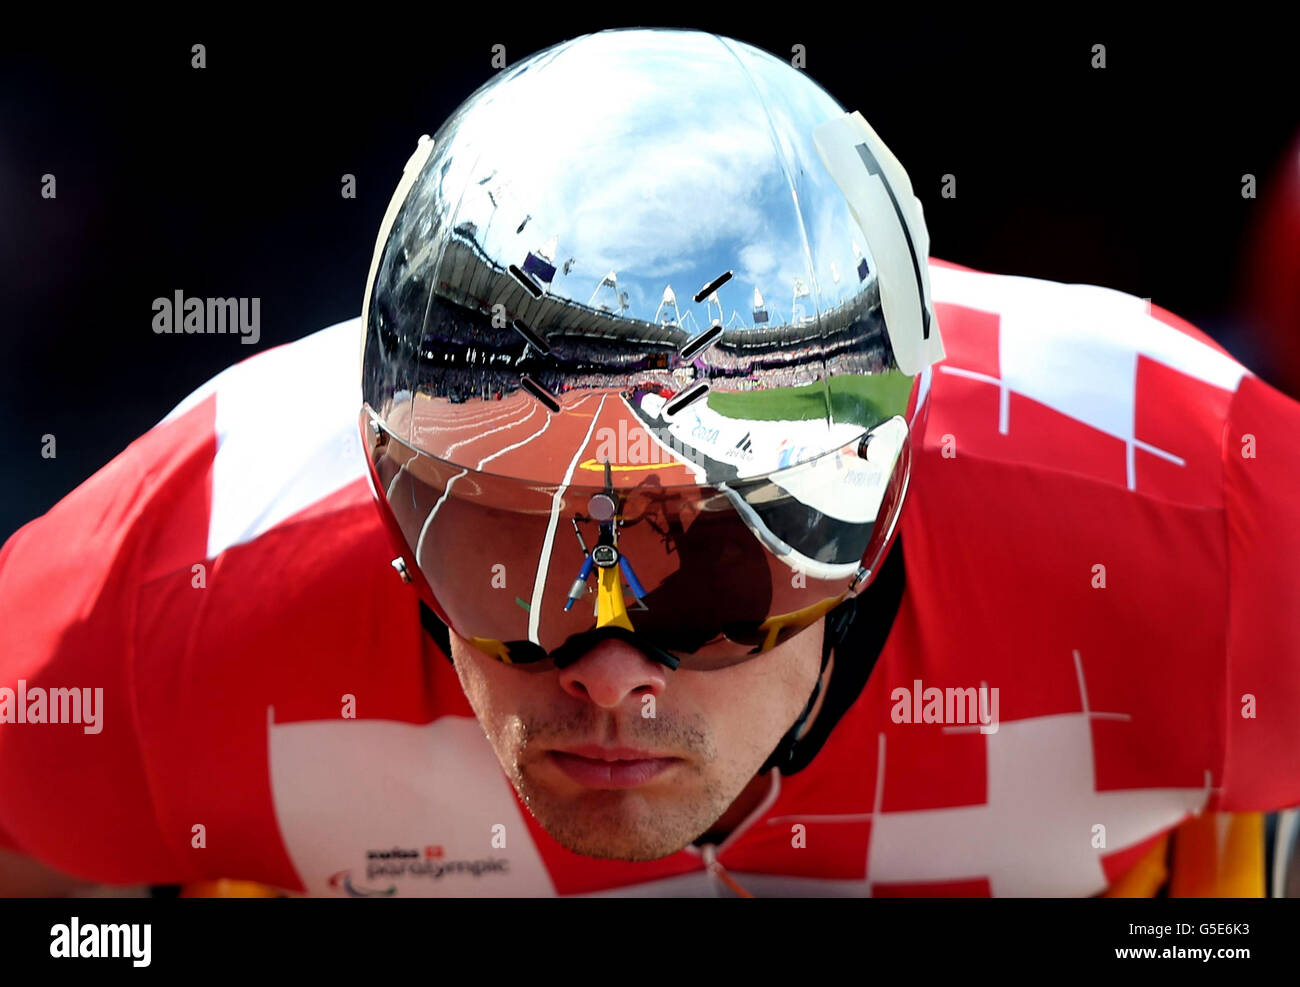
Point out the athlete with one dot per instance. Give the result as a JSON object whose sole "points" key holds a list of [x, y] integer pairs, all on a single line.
{"points": [[692, 532]]}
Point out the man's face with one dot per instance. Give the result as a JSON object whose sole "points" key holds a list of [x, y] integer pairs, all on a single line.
{"points": [[605, 778]]}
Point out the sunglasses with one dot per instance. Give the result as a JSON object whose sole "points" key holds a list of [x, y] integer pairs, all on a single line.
{"points": [[696, 575]]}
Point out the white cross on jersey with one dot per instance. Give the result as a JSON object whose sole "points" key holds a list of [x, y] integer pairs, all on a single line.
{"points": [[1033, 836], [1074, 348]]}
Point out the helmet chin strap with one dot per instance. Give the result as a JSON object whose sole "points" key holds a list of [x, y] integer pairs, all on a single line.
{"points": [[837, 624], [856, 631]]}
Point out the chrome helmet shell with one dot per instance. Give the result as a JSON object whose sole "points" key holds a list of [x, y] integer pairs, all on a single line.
{"points": [[624, 281]]}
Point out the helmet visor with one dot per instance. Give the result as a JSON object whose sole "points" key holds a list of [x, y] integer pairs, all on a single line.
{"points": [[710, 573]]}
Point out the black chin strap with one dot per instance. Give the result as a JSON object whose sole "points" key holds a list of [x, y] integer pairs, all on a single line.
{"points": [[856, 632], [837, 622]]}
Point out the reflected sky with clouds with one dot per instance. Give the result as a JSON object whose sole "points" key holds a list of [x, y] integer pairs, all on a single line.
{"points": [[668, 163]]}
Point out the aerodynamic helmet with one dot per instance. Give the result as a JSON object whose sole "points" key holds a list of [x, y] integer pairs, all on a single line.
{"points": [[641, 338]]}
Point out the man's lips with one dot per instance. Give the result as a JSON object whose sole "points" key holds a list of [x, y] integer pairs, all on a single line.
{"points": [[610, 767], [597, 753]]}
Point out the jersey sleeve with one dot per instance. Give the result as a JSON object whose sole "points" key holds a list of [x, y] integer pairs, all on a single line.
{"points": [[1261, 469], [75, 786]]}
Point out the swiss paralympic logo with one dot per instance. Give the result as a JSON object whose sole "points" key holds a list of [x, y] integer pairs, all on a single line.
{"points": [[383, 866], [343, 880]]}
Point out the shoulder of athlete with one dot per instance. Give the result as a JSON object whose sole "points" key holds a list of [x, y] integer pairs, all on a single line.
{"points": [[290, 581], [1079, 380]]}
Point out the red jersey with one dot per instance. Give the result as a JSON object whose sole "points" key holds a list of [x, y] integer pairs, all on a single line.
{"points": [[1103, 526]]}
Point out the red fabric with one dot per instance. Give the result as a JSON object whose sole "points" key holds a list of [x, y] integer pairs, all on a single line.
{"points": [[1127, 695], [86, 804], [1263, 532]]}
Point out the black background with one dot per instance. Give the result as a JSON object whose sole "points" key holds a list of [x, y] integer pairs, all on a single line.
{"points": [[225, 181]]}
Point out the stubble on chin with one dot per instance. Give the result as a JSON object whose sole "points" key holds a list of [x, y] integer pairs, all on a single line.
{"points": [[634, 825]]}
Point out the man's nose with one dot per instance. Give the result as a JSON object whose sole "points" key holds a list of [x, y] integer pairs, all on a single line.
{"points": [[611, 672]]}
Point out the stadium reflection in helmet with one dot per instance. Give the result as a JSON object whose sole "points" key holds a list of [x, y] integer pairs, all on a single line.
{"points": [[624, 360]]}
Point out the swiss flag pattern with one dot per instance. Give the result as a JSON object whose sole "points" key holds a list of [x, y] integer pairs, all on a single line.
{"points": [[1102, 527]]}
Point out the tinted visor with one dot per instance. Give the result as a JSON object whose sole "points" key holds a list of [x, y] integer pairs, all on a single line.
{"points": [[708, 574]]}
